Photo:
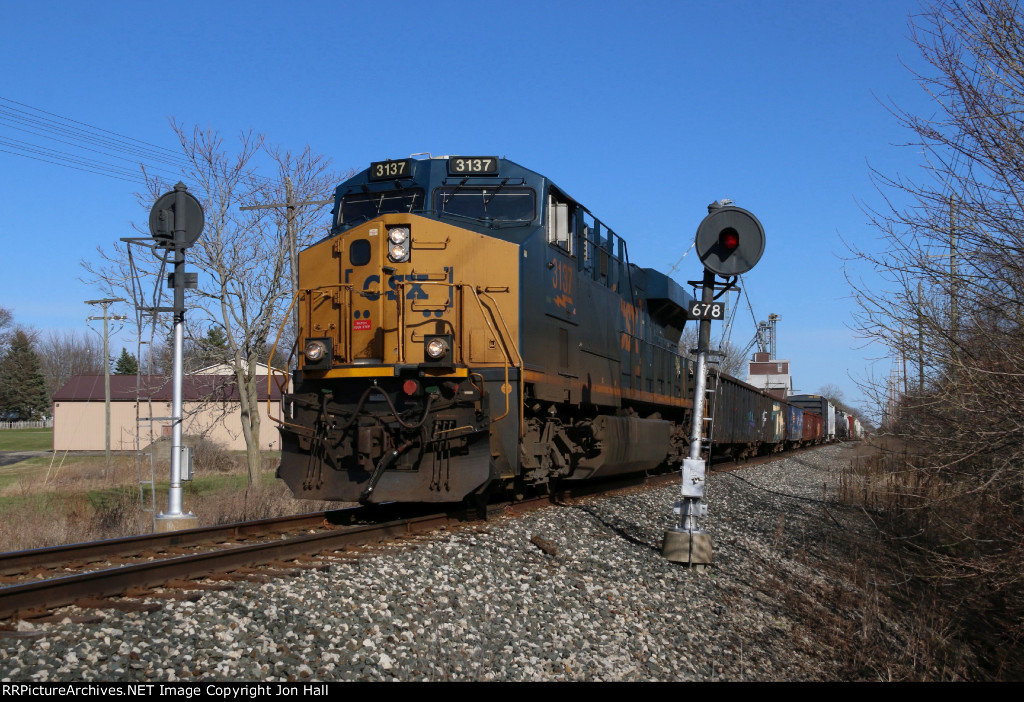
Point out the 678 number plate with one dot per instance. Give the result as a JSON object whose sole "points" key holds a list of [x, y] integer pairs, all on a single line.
{"points": [[707, 310]]}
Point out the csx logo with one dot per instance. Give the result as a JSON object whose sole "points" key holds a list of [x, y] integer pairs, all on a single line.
{"points": [[413, 291]]}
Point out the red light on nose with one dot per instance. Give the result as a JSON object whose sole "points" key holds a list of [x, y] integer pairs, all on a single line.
{"points": [[729, 239], [411, 388]]}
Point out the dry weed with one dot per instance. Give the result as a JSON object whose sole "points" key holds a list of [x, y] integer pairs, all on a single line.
{"points": [[945, 557], [81, 498]]}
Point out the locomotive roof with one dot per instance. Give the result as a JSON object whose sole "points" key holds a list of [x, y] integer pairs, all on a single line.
{"points": [[440, 171], [437, 169]]}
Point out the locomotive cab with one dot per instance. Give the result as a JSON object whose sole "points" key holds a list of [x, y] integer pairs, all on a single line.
{"points": [[408, 328], [468, 325]]}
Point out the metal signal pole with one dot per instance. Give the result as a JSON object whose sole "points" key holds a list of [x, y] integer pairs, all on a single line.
{"points": [[176, 221], [729, 242]]}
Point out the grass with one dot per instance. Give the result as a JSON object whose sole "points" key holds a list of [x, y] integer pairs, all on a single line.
{"points": [[26, 439], [68, 498]]}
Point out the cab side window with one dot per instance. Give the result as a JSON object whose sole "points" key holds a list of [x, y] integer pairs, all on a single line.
{"points": [[561, 214]]}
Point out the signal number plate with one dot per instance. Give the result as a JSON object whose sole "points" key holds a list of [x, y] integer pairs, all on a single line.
{"points": [[707, 310]]}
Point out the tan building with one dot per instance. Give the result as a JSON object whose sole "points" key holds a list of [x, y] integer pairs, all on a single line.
{"points": [[771, 374], [209, 402]]}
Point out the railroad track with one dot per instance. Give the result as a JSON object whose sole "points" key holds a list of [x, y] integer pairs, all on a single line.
{"points": [[43, 579], [35, 582]]}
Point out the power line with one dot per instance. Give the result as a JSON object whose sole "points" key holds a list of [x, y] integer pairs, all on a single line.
{"points": [[92, 149], [67, 165], [61, 158], [134, 161], [87, 132]]}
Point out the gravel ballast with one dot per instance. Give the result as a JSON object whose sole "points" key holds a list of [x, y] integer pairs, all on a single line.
{"points": [[484, 602]]}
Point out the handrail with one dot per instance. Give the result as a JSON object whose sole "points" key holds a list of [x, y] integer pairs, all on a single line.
{"points": [[507, 340], [487, 312], [522, 381], [271, 374]]}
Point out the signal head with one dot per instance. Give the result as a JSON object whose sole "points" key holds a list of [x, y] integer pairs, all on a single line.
{"points": [[729, 241]]}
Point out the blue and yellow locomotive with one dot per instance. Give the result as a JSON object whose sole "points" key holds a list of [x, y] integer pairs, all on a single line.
{"points": [[468, 326]]}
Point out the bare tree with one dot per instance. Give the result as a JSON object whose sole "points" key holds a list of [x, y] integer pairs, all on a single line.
{"points": [[951, 310], [242, 255], [66, 354], [732, 360]]}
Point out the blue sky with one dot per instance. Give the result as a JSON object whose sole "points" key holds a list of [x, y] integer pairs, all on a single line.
{"points": [[644, 112]]}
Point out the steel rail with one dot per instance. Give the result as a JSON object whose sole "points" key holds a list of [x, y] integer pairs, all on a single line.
{"points": [[57, 556], [57, 592]]}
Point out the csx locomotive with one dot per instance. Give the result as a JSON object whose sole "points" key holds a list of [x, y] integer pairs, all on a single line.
{"points": [[467, 326]]}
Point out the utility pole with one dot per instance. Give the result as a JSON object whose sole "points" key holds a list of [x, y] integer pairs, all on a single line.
{"points": [[293, 254], [954, 315], [920, 340], [292, 234], [105, 303]]}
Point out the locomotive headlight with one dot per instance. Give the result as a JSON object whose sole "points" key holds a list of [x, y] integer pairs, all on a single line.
{"points": [[398, 253], [398, 244], [398, 235], [437, 348], [316, 351]]}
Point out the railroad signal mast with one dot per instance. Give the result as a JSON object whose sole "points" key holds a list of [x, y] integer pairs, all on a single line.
{"points": [[729, 242], [176, 221]]}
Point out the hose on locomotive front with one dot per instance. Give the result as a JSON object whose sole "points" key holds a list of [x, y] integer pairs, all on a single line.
{"points": [[378, 471], [407, 425], [318, 448], [394, 411]]}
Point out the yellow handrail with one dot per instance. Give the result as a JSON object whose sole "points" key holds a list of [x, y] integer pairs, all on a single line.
{"points": [[493, 309], [507, 341]]}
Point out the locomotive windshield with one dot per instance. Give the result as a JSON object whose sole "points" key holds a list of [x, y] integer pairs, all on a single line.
{"points": [[358, 207], [493, 203]]}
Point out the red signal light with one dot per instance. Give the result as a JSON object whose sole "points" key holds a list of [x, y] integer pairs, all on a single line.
{"points": [[729, 239]]}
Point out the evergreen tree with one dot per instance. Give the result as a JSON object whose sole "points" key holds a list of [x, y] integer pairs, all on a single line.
{"points": [[126, 364], [22, 384], [209, 351]]}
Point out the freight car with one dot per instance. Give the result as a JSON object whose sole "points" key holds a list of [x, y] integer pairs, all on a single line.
{"points": [[820, 406], [468, 326]]}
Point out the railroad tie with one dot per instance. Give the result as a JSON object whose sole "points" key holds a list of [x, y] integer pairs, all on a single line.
{"points": [[120, 605]]}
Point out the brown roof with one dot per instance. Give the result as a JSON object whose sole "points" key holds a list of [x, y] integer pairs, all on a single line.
{"points": [[194, 388]]}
